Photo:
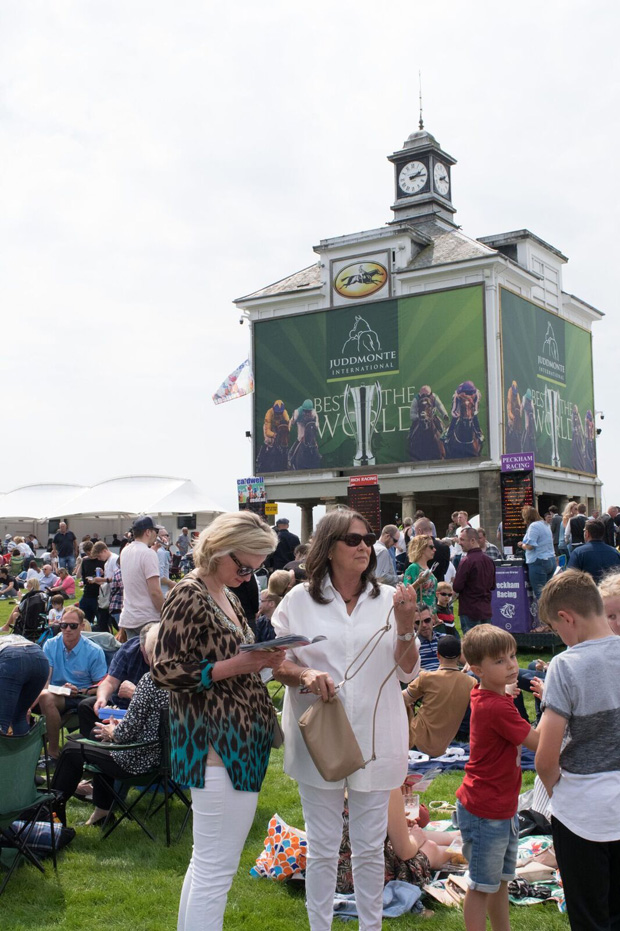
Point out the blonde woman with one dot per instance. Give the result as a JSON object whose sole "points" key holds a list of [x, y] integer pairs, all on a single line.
{"points": [[569, 511], [421, 552], [221, 716]]}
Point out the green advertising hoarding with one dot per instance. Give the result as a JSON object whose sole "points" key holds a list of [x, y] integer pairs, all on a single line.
{"points": [[548, 392], [380, 383]]}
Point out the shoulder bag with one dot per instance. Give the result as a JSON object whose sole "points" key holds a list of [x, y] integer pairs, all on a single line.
{"points": [[327, 731]]}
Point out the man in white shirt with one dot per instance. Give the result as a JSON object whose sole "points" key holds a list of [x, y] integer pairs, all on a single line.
{"points": [[385, 571], [143, 597]]}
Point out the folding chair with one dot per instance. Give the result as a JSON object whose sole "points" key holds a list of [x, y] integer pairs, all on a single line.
{"points": [[20, 800], [151, 781]]}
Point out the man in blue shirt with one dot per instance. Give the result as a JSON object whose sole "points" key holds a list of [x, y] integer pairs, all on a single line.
{"points": [[594, 556], [77, 664]]}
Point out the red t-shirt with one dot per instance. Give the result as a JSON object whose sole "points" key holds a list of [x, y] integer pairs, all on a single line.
{"points": [[492, 780]]}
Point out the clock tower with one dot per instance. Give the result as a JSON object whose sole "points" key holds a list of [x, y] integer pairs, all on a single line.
{"points": [[422, 178]]}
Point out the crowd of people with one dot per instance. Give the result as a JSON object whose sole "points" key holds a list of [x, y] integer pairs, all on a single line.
{"points": [[385, 645]]}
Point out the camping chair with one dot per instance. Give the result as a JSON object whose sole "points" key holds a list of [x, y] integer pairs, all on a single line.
{"points": [[20, 800], [158, 778]]}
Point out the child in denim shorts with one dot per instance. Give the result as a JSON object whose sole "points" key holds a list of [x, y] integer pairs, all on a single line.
{"points": [[488, 797]]}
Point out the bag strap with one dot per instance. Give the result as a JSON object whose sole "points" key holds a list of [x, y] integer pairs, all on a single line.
{"points": [[379, 634]]}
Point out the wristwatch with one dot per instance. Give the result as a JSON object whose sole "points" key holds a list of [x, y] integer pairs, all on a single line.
{"points": [[406, 637]]}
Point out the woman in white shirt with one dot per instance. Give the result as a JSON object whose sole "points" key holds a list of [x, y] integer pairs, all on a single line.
{"points": [[343, 602]]}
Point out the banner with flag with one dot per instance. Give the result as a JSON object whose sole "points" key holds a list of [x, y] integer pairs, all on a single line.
{"points": [[239, 383]]}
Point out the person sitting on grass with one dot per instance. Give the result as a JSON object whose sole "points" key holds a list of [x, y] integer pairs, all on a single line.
{"points": [[8, 585], [76, 663], [65, 585], [429, 638], [443, 610], [56, 613], [443, 695], [141, 723], [268, 604], [488, 796], [577, 758]]}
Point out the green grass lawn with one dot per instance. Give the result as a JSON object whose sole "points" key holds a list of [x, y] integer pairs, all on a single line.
{"points": [[129, 883]]}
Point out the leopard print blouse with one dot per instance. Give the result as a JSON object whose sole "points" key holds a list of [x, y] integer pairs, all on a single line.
{"points": [[235, 716]]}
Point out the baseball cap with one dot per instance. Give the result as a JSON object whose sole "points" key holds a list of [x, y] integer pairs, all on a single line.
{"points": [[144, 523], [8, 536], [449, 647]]}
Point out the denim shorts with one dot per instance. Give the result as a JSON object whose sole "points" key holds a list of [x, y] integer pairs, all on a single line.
{"points": [[490, 847]]}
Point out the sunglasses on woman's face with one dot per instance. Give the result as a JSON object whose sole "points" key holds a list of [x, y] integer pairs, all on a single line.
{"points": [[241, 569], [64, 624], [354, 539]]}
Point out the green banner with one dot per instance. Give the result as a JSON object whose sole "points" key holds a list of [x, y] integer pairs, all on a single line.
{"points": [[548, 386], [381, 383]]}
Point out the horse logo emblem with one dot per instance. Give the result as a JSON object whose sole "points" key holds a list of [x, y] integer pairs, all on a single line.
{"points": [[507, 611], [360, 279], [362, 338], [550, 346]]}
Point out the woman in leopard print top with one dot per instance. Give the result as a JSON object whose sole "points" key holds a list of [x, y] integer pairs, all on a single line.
{"points": [[222, 718]]}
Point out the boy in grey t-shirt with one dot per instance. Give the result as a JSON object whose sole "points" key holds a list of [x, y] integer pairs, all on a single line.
{"points": [[578, 756]]}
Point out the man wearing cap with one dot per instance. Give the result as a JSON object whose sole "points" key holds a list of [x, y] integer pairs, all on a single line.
{"points": [[287, 541], [143, 597]]}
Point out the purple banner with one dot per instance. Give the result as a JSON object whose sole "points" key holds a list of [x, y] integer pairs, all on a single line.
{"points": [[511, 602], [517, 462]]}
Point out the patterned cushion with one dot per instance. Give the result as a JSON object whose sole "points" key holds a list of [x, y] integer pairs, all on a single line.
{"points": [[284, 854]]}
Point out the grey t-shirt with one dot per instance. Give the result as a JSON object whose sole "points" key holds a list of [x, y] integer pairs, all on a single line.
{"points": [[583, 686]]}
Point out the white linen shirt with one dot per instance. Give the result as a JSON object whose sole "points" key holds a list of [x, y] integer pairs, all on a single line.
{"points": [[346, 635]]}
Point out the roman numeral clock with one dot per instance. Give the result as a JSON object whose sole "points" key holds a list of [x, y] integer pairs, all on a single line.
{"points": [[423, 184]]}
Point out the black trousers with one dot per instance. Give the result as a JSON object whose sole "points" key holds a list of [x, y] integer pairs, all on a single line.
{"points": [[590, 873], [69, 772]]}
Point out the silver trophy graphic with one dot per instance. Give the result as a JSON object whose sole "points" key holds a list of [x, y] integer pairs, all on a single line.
{"points": [[362, 406], [552, 410]]}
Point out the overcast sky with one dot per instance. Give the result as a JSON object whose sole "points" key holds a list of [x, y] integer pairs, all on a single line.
{"points": [[159, 159]]}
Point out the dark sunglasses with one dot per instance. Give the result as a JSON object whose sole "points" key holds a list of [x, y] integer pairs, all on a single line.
{"points": [[354, 539], [64, 624], [241, 569]]}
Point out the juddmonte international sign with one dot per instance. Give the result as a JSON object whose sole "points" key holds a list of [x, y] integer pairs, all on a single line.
{"points": [[385, 382], [548, 386], [367, 347]]}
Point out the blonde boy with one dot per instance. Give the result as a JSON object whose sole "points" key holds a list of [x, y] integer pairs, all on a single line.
{"points": [[488, 797], [578, 757]]}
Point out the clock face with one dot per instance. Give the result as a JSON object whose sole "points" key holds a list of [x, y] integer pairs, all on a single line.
{"points": [[442, 179], [412, 178]]}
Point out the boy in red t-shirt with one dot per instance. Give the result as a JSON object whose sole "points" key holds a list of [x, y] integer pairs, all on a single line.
{"points": [[488, 797]]}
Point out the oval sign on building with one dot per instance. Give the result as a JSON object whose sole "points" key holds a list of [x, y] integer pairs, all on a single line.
{"points": [[360, 279]]}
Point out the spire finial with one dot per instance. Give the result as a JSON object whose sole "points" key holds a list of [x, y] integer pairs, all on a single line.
{"points": [[421, 123]]}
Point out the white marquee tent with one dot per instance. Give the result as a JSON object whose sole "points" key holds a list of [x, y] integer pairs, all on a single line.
{"points": [[107, 507]]}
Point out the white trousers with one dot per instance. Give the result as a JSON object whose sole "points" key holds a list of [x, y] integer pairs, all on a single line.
{"points": [[222, 821], [367, 829]]}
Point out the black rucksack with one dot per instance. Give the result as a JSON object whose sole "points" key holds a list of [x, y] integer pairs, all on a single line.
{"points": [[31, 615]]}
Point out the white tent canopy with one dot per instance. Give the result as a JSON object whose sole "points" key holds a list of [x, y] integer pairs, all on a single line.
{"points": [[111, 503], [138, 494]]}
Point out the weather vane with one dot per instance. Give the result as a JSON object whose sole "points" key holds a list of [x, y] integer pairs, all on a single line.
{"points": [[421, 123]]}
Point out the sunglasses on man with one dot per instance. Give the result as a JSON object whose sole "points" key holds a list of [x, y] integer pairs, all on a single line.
{"points": [[68, 624], [354, 539]]}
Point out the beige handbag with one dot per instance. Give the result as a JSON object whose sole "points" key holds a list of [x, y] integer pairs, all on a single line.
{"points": [[327, 731]]}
